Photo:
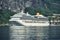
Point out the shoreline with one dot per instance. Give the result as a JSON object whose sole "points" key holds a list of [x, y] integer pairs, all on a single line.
{"points": [[4, 24]]}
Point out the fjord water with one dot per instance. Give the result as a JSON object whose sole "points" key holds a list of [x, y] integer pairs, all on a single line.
{"points": [[29, 33]]}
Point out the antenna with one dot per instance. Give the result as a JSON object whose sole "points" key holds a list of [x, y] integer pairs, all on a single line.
{"points": [[22, 11]]}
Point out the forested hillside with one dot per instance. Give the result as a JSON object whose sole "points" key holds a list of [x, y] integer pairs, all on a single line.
{"points": [[47, 7], [5, 15]]}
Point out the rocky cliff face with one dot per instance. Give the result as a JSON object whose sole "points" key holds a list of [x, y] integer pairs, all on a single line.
{"points": [[22, 3], [19, 4]]}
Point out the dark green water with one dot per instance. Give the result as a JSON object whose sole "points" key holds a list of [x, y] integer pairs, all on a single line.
{"points": [[53, 33], [4, 33]]}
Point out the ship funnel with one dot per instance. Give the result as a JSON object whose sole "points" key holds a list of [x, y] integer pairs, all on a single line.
{"points": [[37, 14]]}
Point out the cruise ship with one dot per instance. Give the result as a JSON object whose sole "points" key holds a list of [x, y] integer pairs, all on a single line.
{"points": [[25, 19]]}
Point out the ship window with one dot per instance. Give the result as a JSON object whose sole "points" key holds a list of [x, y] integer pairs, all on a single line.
{"points": [[33, 21]]}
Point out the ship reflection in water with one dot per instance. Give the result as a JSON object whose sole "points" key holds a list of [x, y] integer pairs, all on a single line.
{"points": [[28, 33]]}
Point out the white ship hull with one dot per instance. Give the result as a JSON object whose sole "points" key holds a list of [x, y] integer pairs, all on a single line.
{"points": [[33, 24]]}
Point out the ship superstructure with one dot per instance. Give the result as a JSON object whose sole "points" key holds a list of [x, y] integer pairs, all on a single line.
{"points": [[29, 20]]}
